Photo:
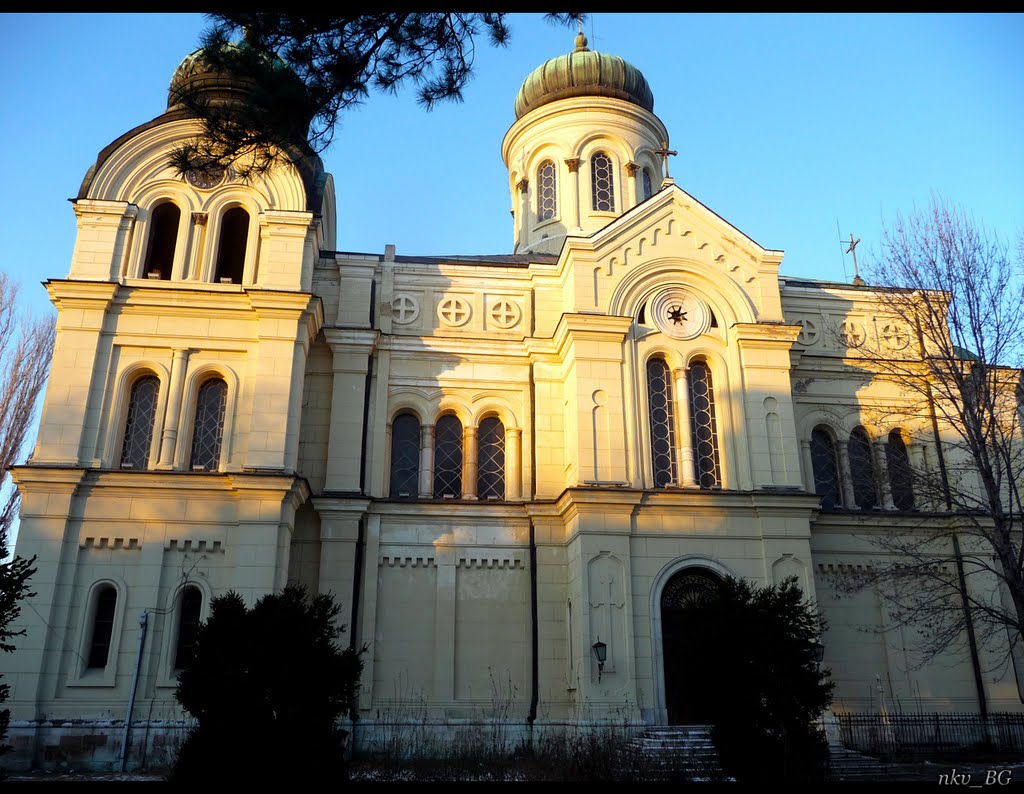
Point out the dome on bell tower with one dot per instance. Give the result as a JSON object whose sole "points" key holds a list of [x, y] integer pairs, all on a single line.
{"points": [[583, 72], [583, 150]]}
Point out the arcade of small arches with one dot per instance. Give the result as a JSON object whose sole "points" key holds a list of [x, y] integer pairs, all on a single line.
{"points": [[452, 460], [860, 474], [164, 232], [141, 447]]}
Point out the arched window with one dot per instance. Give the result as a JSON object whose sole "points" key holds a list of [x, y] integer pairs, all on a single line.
{"points": [[490, 479], [405, 456], [826, 469], [448, 457], [163, 236], [102, 626], [138, 427], [208, 428], [234, 234], [602, 183], [900, 475], [188, 624], [703, 429], [547, 200], [862, 470], [663, 440], [648, 186]]}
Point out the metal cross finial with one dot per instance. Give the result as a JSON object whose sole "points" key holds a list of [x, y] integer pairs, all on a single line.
{"points": [[664, 153], [853, 250]]}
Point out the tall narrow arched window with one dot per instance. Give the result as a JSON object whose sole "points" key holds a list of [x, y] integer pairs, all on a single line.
{"points": [[405, 456], [138, 427], [826, 469], [102, 626], [900, 479], [448, 457], [659, 406], [234, 234], [490, 478], [862, 470], [163, 237], [547, 196], [602, 182], [703, 428], [208, 427], [648, 185], [189, 609]]}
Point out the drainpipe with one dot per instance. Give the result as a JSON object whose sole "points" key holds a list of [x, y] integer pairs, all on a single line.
{"points": [[143, 625], [534, 664]]}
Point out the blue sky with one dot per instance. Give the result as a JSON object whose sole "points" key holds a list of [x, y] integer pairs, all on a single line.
{"points": [[784, 124]]}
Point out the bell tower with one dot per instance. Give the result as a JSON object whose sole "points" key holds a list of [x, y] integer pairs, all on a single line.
{"points": [[583, 149]]}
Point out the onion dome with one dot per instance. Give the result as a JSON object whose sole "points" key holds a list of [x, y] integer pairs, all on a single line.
{"points": [[583, 73], [195, 73]]}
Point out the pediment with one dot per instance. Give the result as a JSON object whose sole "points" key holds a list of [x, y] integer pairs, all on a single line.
{"points": [[673, 227]]}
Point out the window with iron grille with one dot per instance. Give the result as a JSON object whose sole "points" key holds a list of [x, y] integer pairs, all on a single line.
{"points": [[405, 457], [188, 624], [602, 182], [648, 186], [208, 428], [547, 203], [703, 429], [448, 457], [490, 480], [138, 426], [663, 440], [163, 238], [102, 627], [900, 475], [234, 235], [862, 470], [826, 469]]}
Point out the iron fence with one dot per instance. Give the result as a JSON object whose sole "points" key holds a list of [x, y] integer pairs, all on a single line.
{"points": [[926, 735]]}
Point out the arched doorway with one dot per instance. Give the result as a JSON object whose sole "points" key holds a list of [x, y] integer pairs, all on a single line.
{"points": [[688, 698]]}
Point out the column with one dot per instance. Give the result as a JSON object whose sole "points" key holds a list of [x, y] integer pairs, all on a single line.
{"points": [[882, 467], [573, 164], [172, 413], [513, 463], [808, 461], [845, 475], [192, 268], [426, 461], [684, 440], [470, 450]]}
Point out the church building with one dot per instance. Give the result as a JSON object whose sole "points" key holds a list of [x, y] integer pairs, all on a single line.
{"points": [[498, 464]]}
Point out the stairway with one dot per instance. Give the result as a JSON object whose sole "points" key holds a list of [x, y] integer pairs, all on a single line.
{"points": [[847, 764], [675, 752]]}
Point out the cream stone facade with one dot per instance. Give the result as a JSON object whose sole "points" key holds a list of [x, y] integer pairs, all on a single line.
{"points": [[493, 462]]}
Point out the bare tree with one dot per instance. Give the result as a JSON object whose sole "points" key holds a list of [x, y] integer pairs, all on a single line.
{"points": [[953, 343], [26, 347], [300, 72]]}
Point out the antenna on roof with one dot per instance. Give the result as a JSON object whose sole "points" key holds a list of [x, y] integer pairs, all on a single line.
{"points": [[857, 280]]}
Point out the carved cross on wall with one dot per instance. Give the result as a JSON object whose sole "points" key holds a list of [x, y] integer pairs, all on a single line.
{"points": [[603, 607], [664, 153]]}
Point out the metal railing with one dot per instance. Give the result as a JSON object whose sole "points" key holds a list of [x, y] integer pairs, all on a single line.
{"points": [[926, 735]]}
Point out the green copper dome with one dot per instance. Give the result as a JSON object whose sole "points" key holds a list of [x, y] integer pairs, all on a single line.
{"points": [[583, 73]]}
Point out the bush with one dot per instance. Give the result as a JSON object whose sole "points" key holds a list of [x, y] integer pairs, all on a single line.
{"points": [[267, 686], [759, 662]]}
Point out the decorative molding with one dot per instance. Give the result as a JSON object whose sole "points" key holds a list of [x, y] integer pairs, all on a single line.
{"points": [[490, 562], [632, 168], [454, 311], [505, 313], [522, 184], [407, 562], [132, 544], [573, 164], [200, 546]]}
